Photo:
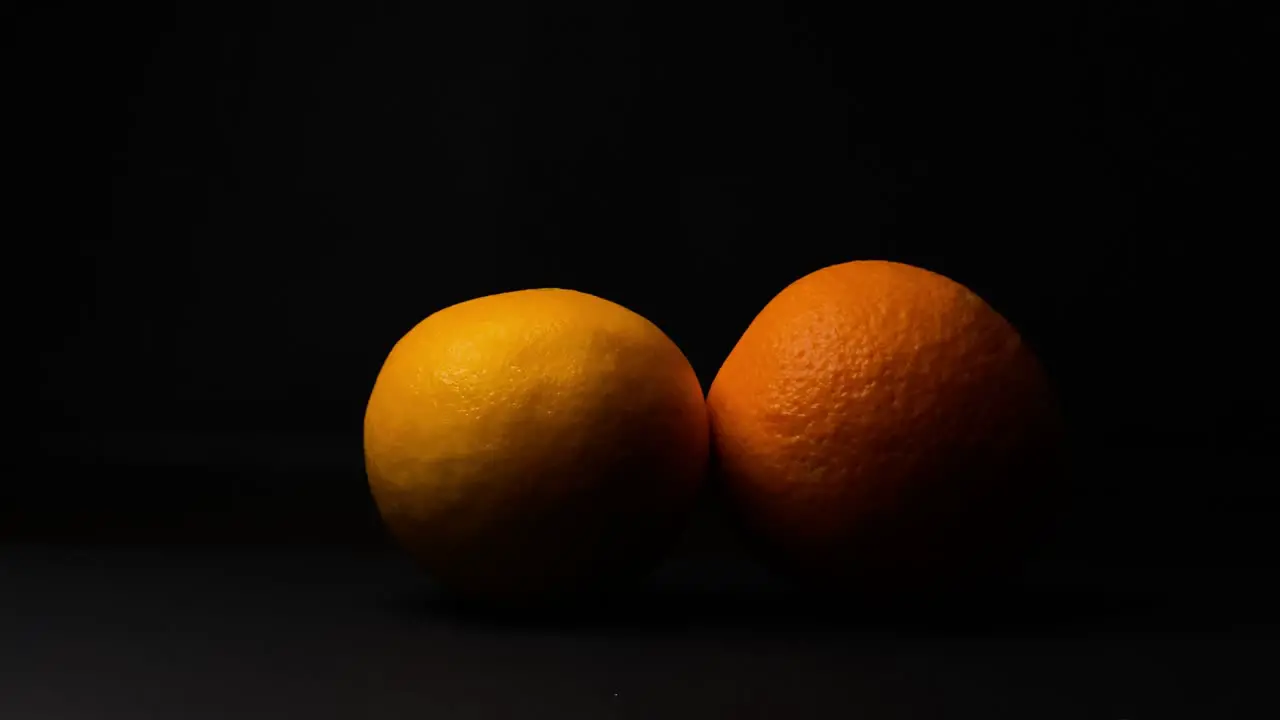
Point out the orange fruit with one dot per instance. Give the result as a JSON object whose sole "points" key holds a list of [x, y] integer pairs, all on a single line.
{"points": [[880, 426], [537, 443]]}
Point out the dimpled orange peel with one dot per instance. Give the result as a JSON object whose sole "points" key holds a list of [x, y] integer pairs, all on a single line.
{"points": [[535, 444], [881, 427]]}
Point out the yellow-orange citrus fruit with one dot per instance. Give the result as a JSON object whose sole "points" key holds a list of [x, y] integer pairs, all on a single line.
{"points": [[881, 426], [531, 444]]}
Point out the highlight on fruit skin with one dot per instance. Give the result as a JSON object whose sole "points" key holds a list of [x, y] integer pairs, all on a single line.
{"points": [[879, 427], [535, 445]]}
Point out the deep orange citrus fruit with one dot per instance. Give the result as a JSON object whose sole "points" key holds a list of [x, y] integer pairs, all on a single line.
{"points": [[533, 444], [881, 426]]}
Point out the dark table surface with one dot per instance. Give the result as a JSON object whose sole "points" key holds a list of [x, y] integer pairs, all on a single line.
{"points": [[100, 631], [275, 594]]}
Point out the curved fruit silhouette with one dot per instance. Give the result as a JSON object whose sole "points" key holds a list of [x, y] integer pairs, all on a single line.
{"points": [[533, 444], [880, 426]]}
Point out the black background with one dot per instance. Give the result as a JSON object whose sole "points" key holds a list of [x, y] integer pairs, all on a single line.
{"points": [[295, 185]]}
